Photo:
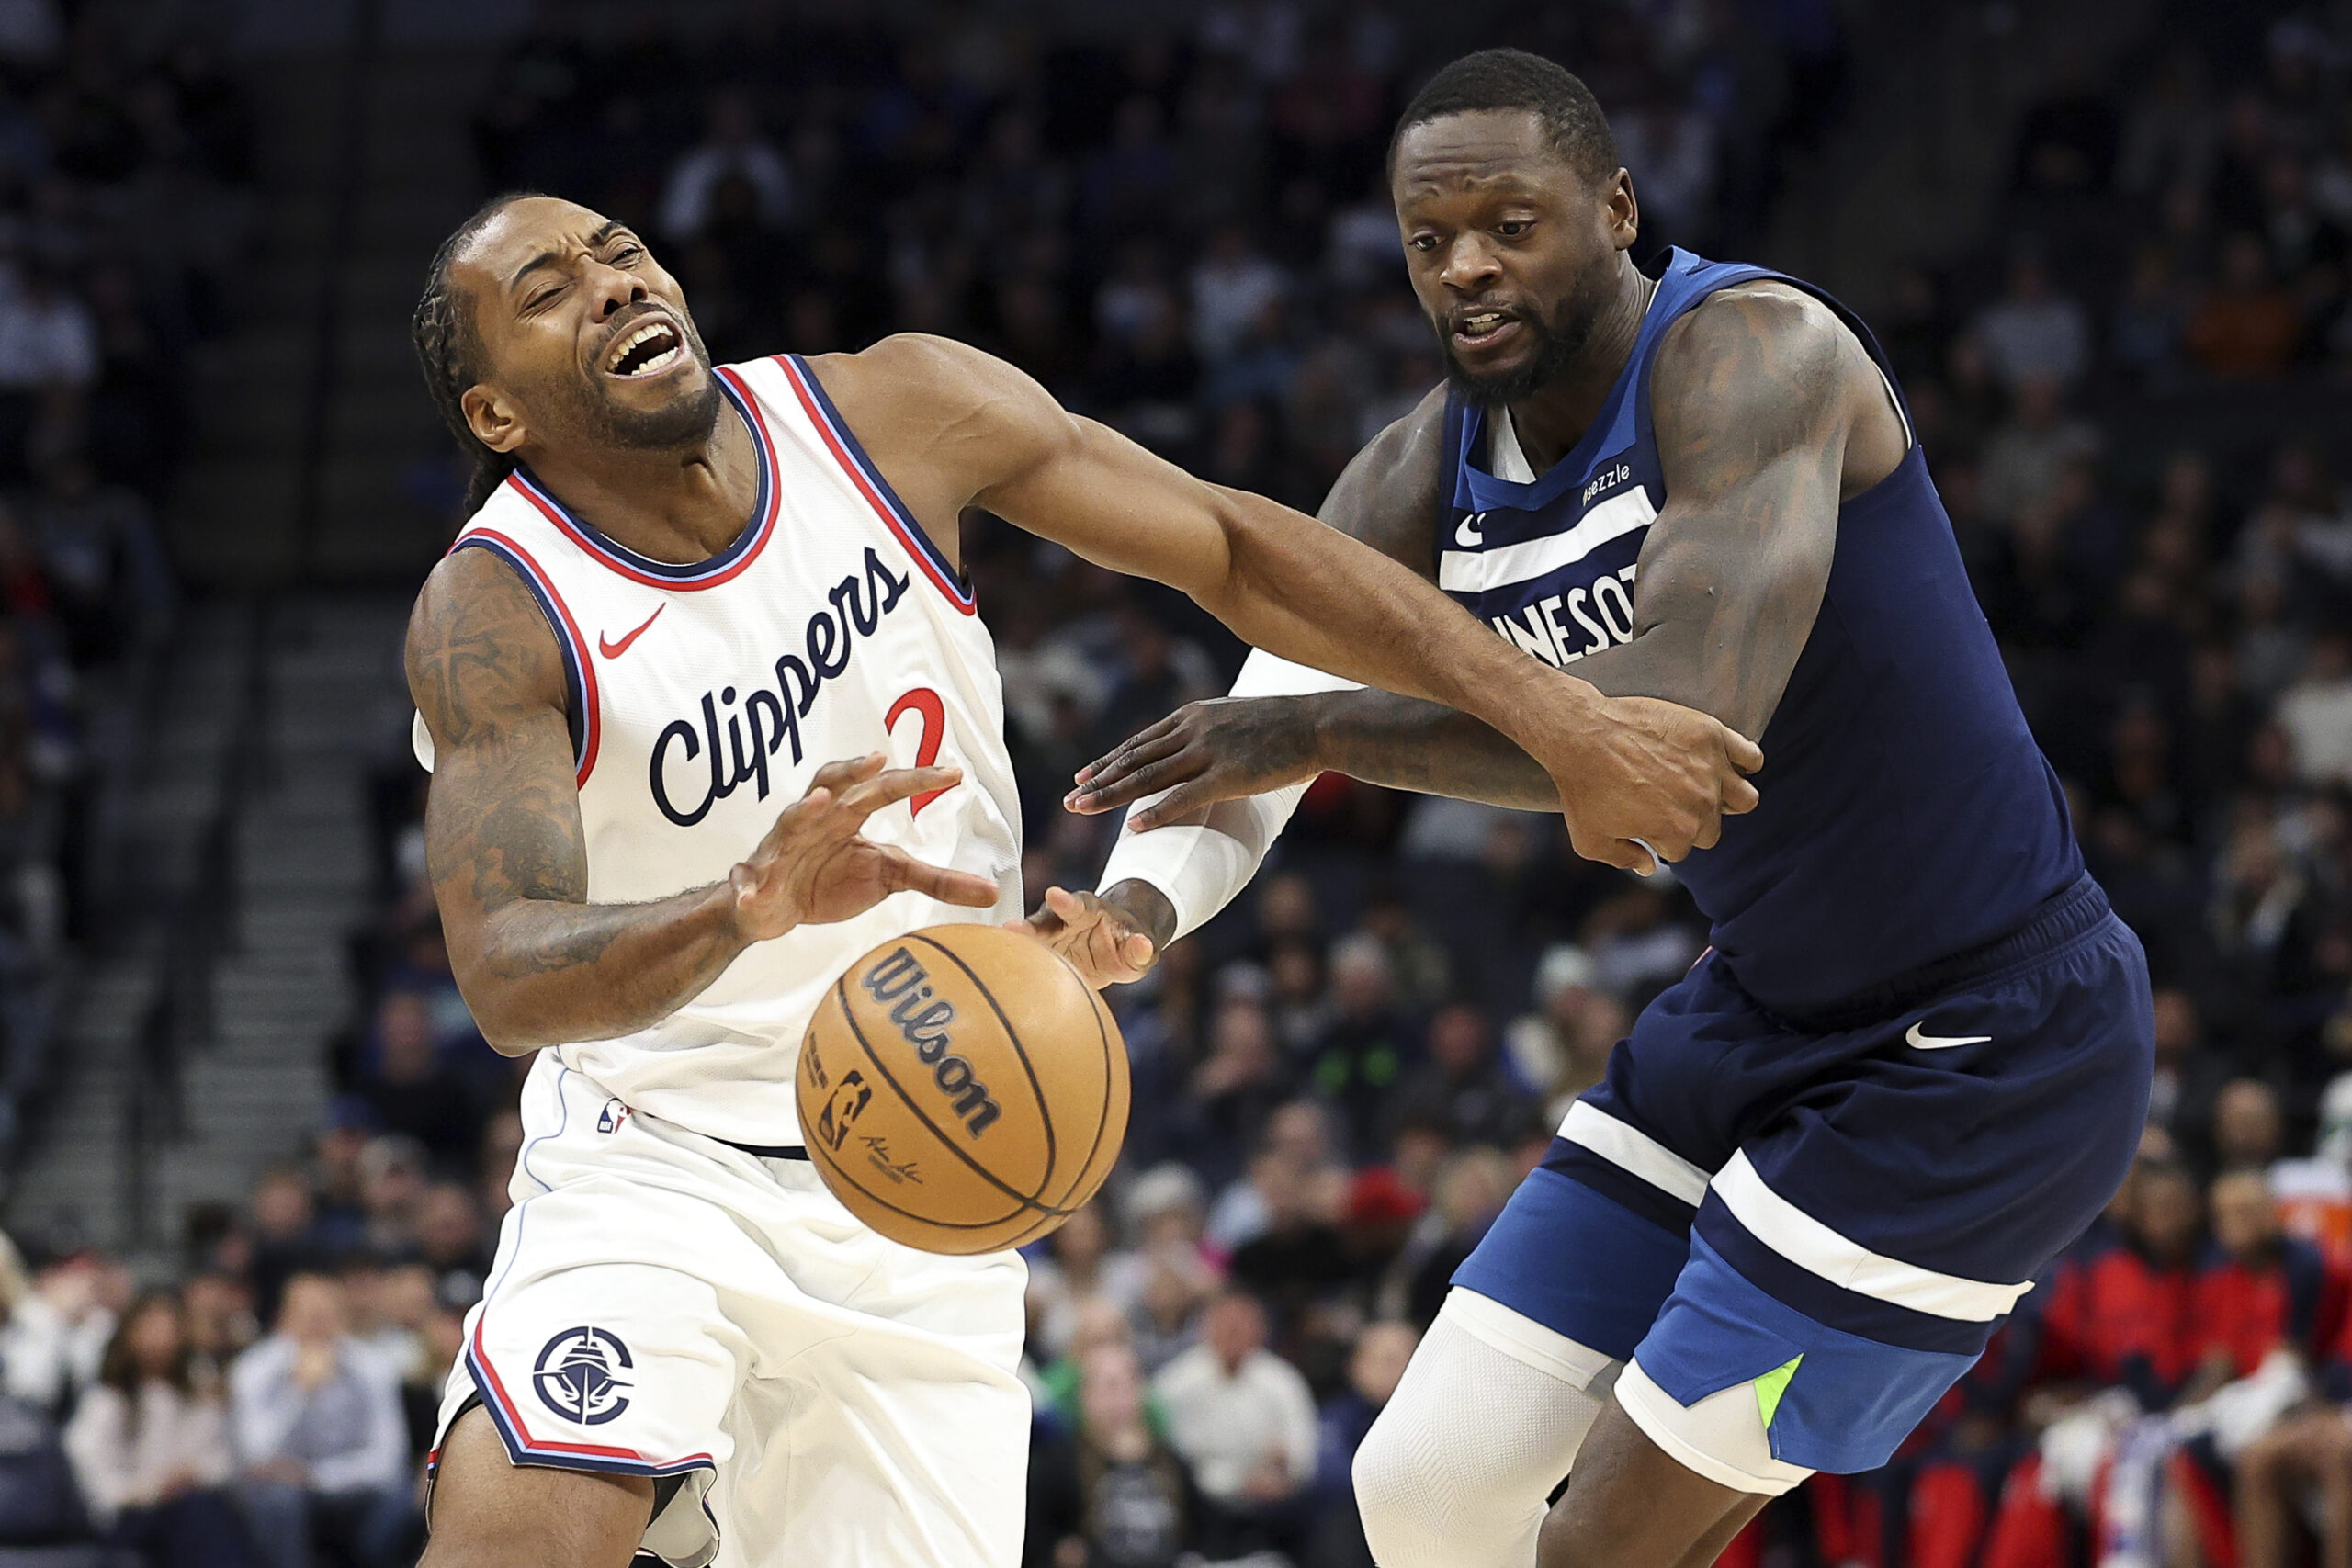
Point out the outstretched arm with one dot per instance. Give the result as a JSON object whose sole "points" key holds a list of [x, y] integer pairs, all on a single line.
{"points": [[984, 434], [537, 963], [1755, 398]]}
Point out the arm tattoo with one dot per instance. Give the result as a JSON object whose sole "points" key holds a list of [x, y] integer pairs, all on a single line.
{"points": [[1752, 397], [538, 964]]}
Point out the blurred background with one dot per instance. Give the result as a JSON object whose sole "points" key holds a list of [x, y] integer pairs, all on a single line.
{"points": [[252, 1153]]}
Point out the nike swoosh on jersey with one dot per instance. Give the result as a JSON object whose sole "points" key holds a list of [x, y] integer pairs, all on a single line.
{"points": [[1479, 571], [1471, 532], [1919, 1042], [612, 649]]}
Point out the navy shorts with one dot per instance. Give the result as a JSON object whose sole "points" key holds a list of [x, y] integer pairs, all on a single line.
{"points": [[1865, 1196]]}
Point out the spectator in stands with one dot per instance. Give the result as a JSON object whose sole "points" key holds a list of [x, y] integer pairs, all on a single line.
{"points": [[1552, 1049], [1470, 1190], [1165, 1216], [2025, 455], [1367, 1047], [320, 1438], [732, 147], [450, 1243], [1466, 1083], [1095, 1324], [2249, 1130], [1082, 1264], [151, 1449], [110, 586], [2033, 333], [285, 1242], [413, 1090], [2316, 712], [1294, 1155], [1235, 1091], [2245, 327], [2127, 1317], [2189, 1074], [2146, 329], [339, 1217], [1243, 1419], [60, 1322], [1296, 1258], [1375, 1369], [1112, 1492], [392, 1185], [218, 1313], [2266, 1292], [1232, 285]]}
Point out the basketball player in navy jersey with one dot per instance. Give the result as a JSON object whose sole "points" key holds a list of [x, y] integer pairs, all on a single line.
{"points": [[1915, 1062]]}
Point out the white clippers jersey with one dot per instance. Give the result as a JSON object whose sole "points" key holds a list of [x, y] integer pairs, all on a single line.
{"points": [[703, 699]]}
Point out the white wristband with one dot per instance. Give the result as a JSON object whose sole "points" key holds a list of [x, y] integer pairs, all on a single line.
{"points": [[1202, 868]]}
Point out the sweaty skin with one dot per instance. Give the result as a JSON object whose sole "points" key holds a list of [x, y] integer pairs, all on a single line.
{"points": [[1768, 414], [555, 293]]}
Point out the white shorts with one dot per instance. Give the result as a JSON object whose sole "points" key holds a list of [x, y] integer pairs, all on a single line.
{"points": [[667, 1305]]}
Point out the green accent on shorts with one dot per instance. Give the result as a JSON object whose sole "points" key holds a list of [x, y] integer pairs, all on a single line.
{"points": [[1771, 1385]]}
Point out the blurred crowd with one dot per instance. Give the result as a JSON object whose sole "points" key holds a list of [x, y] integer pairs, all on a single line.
{"points": [[1340, 1081], [124, 167]]}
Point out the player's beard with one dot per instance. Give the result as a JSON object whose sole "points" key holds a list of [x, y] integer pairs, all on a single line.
{"points": [[680, 424], [1558, 341]]}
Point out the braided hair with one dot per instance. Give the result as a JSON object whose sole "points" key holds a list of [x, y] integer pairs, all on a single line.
{"points": [[448, 348]]}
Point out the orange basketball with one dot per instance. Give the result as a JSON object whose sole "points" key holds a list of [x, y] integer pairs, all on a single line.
{"points": [[962, 1090]]}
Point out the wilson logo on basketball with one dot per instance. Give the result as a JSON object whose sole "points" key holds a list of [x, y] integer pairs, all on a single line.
{"points": [[899, 981]]}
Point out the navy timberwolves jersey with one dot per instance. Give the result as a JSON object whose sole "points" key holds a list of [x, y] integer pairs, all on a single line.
{"points": [[1907, 815]]}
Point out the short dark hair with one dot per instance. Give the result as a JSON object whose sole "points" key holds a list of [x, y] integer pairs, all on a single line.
{"points": [[1514, 79], [448, 349]]}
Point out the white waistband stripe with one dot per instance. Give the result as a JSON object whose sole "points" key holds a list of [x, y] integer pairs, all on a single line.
{"points": [[1814, 1246], [1474, 572], [1630, 1149]]}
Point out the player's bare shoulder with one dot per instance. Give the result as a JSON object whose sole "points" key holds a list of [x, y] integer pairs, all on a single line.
{"points": [[479, 652], [1388, 496], [1765, 365], [944, 421]]}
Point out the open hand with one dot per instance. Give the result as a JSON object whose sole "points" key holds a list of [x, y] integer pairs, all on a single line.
{"points": [[1107, 945], [813, 867], [1649, 781], [1223, 749]]}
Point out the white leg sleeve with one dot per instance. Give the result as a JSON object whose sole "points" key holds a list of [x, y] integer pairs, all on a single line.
{"points": [[1202, 868], [1458, 1471]]}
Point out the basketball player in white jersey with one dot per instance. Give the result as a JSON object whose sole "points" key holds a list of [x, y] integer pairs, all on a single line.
{"points": [[695, 615]]}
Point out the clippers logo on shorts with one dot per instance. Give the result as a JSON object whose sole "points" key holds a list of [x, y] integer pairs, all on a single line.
{"points": [[923, 1020], [576, 1378], [772, 716]]}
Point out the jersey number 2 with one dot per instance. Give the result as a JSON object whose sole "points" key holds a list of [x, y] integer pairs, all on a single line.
{"points": [[924, 701]]}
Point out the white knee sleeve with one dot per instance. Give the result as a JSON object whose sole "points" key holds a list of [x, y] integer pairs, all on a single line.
{"points": [[1458, 1470]]}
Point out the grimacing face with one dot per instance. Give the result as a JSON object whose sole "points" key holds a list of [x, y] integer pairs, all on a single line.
{"points": [[1511, 250], [585, 337]]}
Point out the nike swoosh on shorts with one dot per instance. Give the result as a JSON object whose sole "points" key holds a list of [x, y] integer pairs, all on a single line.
{"points": [[1919, 1042]]}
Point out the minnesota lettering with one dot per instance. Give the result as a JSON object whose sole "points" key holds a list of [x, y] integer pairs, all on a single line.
{"points": [[922, 1019], [769, 718]]}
